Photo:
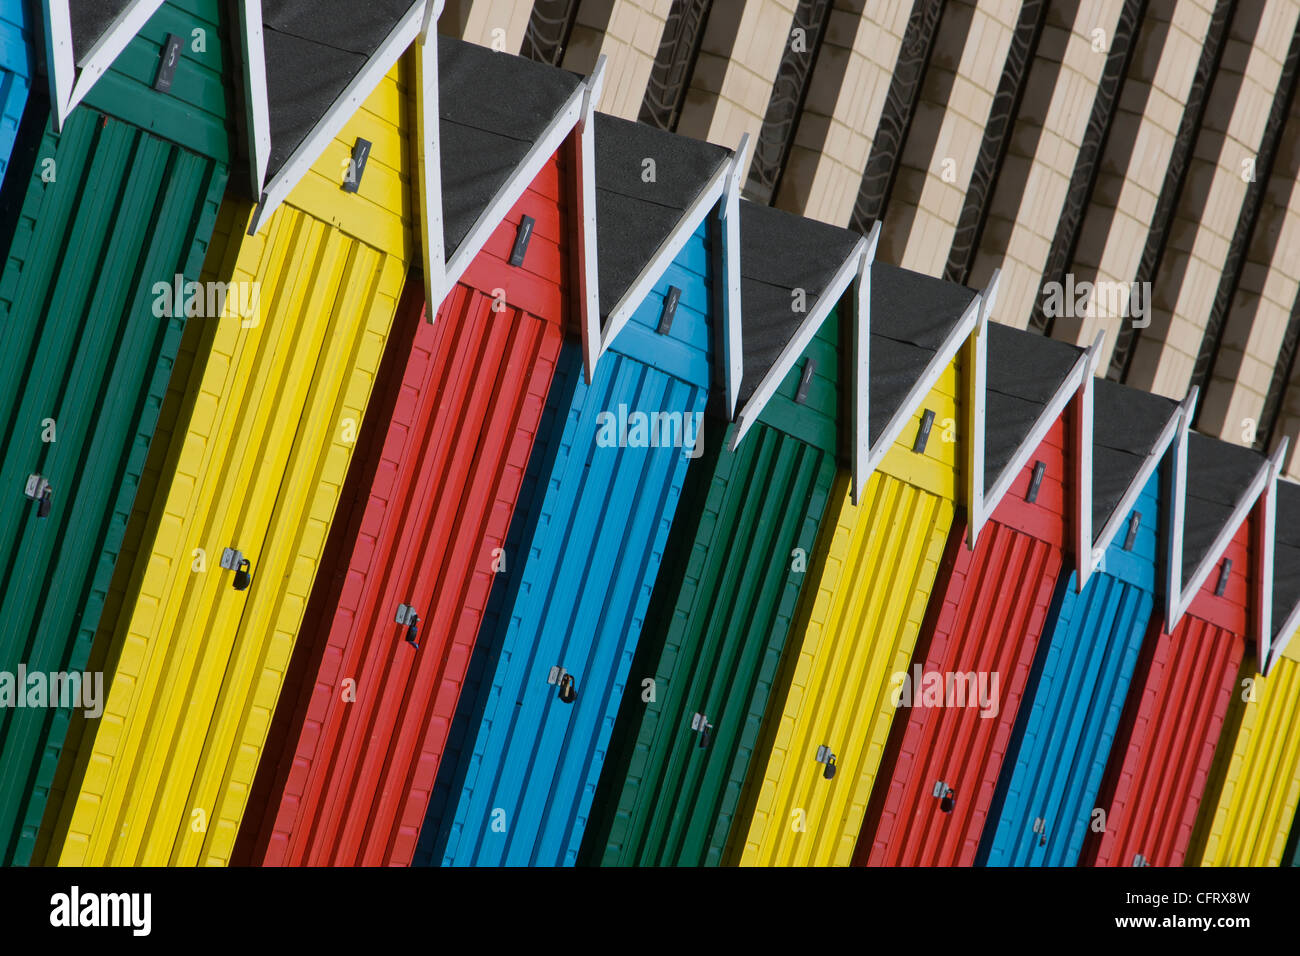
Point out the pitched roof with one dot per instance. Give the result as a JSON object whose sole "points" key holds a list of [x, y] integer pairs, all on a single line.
{"points": [[911, 316], [1025, 371], [492, 109], [1127, 423], [1218, 473], [1286, 554], [313, 50], [779, 253], [634, 217]]}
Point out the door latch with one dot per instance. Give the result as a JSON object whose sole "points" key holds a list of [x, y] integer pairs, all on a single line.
{"points": [[700, 723], [232, 559], [407, 617], [39, 490], [946, 796], [558, 676], [827, 757], [1040, 827]]}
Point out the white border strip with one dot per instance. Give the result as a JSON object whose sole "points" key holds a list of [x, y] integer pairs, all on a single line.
{"points": [[975, 413], [429, 159], [862, 366], [733, 356], [257, 110], [588, 274], [1082, 442]]}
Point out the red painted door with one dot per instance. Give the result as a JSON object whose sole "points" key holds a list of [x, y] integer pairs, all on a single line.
{"points": [[1163, 752], [932, 795], [364, 718]]}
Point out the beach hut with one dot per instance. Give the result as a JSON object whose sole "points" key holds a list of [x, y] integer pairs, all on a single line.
{"points": [[106, 207]]}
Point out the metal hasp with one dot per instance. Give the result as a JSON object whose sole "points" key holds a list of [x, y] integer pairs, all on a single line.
{"points": [[1224, 573], [1035, 482], [233, 559], [171, 58], [805, 380], [1134, 522], [700, 723], [1040, 827], [923, 432], [39, 489], [671, 298], [559, 676], [825, 756], [946, 796], [357, 165], [408, 618], [520, 248]]}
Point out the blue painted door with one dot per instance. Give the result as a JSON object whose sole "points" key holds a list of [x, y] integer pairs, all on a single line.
{"points": [[1044, 802], [15, 73], [521, 766]]}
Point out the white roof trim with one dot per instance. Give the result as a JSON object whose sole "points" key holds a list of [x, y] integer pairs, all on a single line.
{"points": [[975, 413], [257, 110], [100, 57], [941, 359], [58, 58], [848, 270], [342, 110], [1054, 409], [1134, 491], [1239, 514], [1177, 505], [733, 356], [1265, 538], [1082, 441], [429, 162], [862, 366], [588, 273]]}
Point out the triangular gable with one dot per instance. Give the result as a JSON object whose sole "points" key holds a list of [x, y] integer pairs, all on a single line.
{"points": [[82, 39], [308, 66], [1031, 382], [1286, 575], [793, 273], [1132, 431], [916, 326], [500, 120], [648, 224], [1218, 485]]}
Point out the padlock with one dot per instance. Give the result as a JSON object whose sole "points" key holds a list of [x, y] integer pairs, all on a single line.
{"points": [[43, 509], [242, 578], [413, 631], [829, 770], [705, 734], [568, 693], [945, 805]]}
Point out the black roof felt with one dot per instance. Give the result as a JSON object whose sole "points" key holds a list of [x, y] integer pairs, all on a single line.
{"points": [[1025, 371], [313, 50], [1286, 555], [781, 252], [911, 316], [635, 217], [1218, 473], [1126, 424], [90, 20], [492, 108]]}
